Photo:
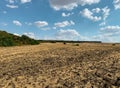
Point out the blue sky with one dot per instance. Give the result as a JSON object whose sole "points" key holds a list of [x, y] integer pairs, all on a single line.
{"points": [[86, 20]]}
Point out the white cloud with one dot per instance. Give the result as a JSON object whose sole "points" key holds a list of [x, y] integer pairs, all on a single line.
{"points": [[30, 34], [14, 2], [68, 34], [110, 28], [116, 4], [106, 12], [17, 23], [25, 1], [11, 6], [107, 37], [103, 35], [102, 13], [102, 24], [28, 23], [96, 10], [87, 2], [89, 14], [67, 14], [41, 23], [70, 4], [16, 34], [64, 24], [108, 34], [11, 1], [63, 4]]}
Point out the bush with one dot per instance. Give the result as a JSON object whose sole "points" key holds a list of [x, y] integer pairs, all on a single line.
{"points": [[7, 41], [34, 42], [113, 44], [64, 43], [76, 44]]}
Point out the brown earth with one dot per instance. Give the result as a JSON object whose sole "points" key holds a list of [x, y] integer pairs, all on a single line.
{"points": [[60, 66]]}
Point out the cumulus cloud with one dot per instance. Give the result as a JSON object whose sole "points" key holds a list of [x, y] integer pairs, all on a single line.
{"points": [[63, 4], [17, 23], [89, 14], [105, 34], [11, 1], [28, 23], [70, 4], [108, 34], [41, 23], [25, 1], [103, 38], [102, 24], [11, 6], [67, 14], [30, 34], [110, 28], [116, 4], [64, 24], [68, 34], [16, 34], [17, 1], [107, 37], [96, 10], [106, 12]]}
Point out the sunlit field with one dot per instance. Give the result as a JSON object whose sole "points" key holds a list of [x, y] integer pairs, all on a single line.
{"points": [[59, 65]]}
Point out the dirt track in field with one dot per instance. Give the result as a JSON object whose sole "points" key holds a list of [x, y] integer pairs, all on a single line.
{"points": [[60, 66]]}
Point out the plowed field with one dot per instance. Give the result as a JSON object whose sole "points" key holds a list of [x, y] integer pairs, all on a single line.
{"points": [[60, 66]]}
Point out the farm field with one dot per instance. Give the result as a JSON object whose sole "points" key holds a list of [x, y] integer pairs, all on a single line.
{"points": [[58, 65]]}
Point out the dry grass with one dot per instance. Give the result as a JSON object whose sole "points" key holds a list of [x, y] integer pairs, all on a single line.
{"points": [[60, 66]]}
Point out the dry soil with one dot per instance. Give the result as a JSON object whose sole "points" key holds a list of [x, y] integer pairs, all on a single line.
{"points": [[60, 66]]}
